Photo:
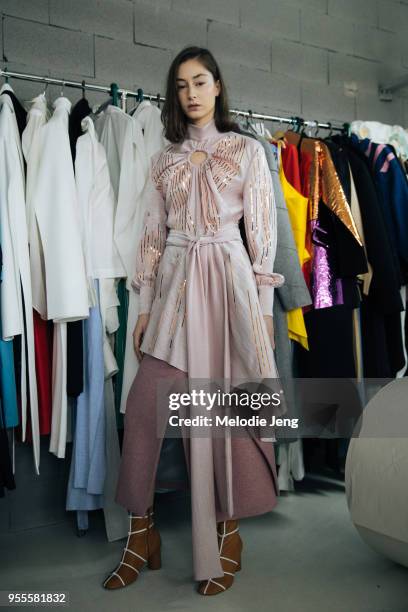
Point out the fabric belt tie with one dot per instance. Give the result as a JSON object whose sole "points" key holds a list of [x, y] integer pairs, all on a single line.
{"points": [[204, 525]]}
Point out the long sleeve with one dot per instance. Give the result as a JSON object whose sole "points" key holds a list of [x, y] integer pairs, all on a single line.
{"points": [[151, 245], [260, 227]]}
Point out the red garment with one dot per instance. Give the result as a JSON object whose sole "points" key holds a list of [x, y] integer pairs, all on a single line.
{"points": [[43, 332], [43, 363], [290, 162], [305, 168]]}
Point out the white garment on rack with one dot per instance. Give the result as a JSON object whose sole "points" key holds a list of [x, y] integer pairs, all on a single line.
{"points": [[16, 296], [291, 466], [403, 292], [111, 126], [59, 419], [147, 120], [56, 212], [133, 173], [37, 116], [31, 143], [109, 303], [97, 207]]}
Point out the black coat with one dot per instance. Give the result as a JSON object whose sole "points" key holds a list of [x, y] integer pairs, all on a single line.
{"points": [[382, 334]]}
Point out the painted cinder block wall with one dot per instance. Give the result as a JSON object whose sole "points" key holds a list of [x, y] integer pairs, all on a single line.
{"points": [[319, 59]]}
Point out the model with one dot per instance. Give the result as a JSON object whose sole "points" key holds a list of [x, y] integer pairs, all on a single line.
{"points": [[205, 313]]}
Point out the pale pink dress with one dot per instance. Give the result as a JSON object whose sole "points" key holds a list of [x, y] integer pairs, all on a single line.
{"points": [[205, 295], [186, 202]]}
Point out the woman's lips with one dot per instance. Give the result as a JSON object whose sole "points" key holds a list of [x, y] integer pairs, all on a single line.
{"points": [[193, 106]]}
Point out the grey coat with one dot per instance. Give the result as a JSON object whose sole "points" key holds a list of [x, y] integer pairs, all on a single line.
{"points": [[294, 293]]}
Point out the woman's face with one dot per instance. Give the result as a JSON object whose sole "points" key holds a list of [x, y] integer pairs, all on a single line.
{"points": [[197, 91]]}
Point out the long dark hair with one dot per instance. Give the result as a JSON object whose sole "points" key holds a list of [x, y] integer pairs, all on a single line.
{"points": [[174, 119]]}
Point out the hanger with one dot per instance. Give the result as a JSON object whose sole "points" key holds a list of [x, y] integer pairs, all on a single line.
{"points": [[300, 124], [249, 125], [98, 109], [83, 90], [62, 89], [123, 100], [114, 91], [6, 78], [295, 123], [139, 98], [112, 100], [158, 100], [236, 117], [279, 134]]}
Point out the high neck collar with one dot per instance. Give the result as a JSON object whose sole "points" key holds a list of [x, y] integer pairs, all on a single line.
{"points": [[203, 132]]}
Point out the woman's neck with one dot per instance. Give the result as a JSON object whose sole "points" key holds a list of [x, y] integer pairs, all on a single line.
{"points": [[202, 132]]}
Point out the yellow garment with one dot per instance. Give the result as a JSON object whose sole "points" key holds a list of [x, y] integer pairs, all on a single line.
{"points": [[297, 206]]}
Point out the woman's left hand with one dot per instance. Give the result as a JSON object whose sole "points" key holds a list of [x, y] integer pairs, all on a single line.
{"points": [[269, 326]]}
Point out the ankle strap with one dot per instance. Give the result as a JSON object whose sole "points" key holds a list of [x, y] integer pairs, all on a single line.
{"points": [[224, 534]]}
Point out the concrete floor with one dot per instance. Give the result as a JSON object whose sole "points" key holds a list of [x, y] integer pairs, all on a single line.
{"points": [[305, 556]]}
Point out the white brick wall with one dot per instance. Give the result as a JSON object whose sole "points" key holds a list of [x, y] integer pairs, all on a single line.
{"points": [[282, 56]]}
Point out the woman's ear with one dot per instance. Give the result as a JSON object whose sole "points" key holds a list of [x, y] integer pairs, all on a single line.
{"points": [[218, 87]]}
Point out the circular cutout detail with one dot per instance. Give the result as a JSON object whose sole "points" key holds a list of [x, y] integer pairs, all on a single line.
{"points": [[198, 157]]}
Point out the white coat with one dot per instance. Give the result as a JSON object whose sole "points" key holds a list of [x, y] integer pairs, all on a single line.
{"points": [[16, 283], [56, 212], [147, 122]]}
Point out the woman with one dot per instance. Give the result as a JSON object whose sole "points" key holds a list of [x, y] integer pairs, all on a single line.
{"points": [[205, 313]]}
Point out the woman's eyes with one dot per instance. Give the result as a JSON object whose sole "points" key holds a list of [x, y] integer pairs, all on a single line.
{"points": [[183, 86]]}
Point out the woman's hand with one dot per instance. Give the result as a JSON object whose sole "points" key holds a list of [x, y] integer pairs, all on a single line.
{"points": [[140, 329], [269, 326]]}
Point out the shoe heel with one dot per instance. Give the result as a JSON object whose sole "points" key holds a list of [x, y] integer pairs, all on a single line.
{"points": [[154, 561]]}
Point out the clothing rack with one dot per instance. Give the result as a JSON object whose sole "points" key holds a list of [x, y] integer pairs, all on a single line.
{"points": [[114, 90]]}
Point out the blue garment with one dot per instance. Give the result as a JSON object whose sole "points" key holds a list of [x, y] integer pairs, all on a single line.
{"points": [[8, 391], [392, 185], [88, 462]]}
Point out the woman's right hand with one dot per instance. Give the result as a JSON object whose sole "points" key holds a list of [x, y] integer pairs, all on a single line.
{"points": [[140, 328]]}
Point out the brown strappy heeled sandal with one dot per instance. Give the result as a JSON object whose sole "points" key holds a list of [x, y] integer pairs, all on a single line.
{"points": [[230, 548], [143, 546]]}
